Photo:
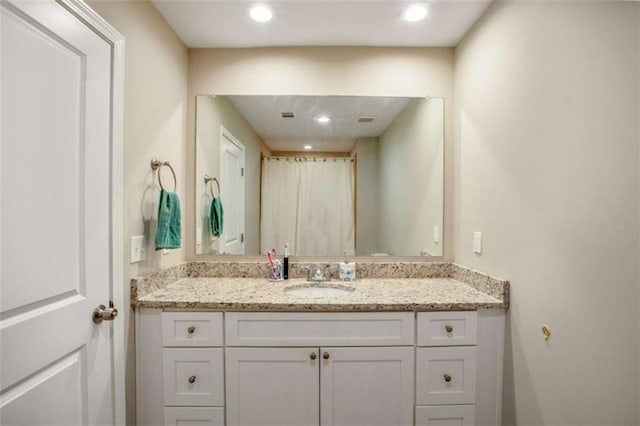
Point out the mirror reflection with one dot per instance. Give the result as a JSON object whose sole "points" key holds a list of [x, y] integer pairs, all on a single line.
{"points": [[328, 175]]}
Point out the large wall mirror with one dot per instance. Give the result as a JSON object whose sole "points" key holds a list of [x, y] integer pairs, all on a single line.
{"points": [[328, 175]]}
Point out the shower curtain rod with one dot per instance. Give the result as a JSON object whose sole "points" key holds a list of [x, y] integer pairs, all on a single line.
{"points": [[316, 159]]}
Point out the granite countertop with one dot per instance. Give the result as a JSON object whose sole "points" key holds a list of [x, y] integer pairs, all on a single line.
{"points": [[369, 294]]}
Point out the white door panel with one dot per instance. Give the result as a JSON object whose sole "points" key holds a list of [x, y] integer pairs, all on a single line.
{"points": [[232, 193], [43, 391], [47, 198], [55, 244]]}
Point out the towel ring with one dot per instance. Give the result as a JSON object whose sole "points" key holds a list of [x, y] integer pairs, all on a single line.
{"points": [[207, 180], [157, 165]]}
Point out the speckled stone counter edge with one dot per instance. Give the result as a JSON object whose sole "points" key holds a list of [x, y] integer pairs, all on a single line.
{"points": [[487, 284]]}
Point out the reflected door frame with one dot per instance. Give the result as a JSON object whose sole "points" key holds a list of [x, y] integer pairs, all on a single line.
{"points": [[232, 175]]}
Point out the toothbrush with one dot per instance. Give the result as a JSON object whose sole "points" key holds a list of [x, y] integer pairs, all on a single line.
{"points": [[273, 266], [278, 270]]}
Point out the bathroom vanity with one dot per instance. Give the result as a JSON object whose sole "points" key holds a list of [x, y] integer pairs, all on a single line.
{"points": [[392, 351]]}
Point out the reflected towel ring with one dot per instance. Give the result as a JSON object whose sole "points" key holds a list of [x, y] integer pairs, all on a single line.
{"points": [[207, 180], [157, 164]]}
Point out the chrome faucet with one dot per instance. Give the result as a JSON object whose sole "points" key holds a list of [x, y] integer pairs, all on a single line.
{"points": [[317, 273]]}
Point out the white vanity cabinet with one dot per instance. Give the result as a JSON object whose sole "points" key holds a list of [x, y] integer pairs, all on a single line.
{"points": [[319, 368], [359, 370], [180, 368], [319, 386], [459, 368]]}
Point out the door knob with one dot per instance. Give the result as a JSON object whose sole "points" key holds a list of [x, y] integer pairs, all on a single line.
{"points": [[313, 355], [325, 355], [102, 313]]}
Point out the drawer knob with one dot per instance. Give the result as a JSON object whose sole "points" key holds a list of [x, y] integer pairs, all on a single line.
{"points": [[447, 378], [192, 379], [448, 328], [313, 355], [191, 330], [325, 355]]}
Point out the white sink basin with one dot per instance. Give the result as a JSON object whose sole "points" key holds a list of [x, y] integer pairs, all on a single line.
{"points": [[318, 290]]}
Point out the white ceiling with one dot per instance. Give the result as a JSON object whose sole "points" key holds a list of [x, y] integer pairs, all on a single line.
{"points": [[224, 23], [289, 134]]}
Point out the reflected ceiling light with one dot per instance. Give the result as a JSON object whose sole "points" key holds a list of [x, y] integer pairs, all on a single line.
{"points": [[261, 12], [307, 147], [323, 119], [416, 12]]}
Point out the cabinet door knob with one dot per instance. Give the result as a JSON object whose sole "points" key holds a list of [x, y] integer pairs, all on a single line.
{"points": [[313, 355], [447, 378], [325, 355], [191, 330], [192, 379], [448, 328]]}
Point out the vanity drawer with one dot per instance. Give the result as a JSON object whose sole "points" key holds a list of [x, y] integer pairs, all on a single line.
{"points": [[447, 328], [193, 376], [450, 415], [319, 329], [192, 329], [446, 375], [193, 416]]}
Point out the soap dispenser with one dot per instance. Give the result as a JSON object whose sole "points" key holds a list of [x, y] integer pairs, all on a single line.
{"points": [[347, 270]]}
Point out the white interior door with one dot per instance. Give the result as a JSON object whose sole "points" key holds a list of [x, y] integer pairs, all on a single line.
{"points": [[55, 233], [232, 193]]}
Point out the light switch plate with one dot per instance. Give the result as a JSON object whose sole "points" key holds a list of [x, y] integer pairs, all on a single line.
{"points": [[138, 248], [477, 242]]}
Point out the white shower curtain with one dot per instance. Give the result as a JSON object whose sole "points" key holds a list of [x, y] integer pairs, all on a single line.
{"points": [[309, 204]]}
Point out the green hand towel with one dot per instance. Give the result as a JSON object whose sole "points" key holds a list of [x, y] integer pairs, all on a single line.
{"points": [[169, 233], [215, 217]]}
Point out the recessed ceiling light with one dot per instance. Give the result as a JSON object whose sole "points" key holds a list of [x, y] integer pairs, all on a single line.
{"points": [[416, 12], [261, 12], [323, 119], [307, 147]]}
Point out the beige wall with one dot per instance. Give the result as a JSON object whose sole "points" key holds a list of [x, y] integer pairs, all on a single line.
{"points": [[546, 155], [321, 71], [410, 183], [367, 200], [213, 112], [154, 126]]}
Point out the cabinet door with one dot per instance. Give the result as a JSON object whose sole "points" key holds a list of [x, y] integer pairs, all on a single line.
{"points": [[193, 376], [446, 415], [182, 329], [272, 386], [450, 328], [366, 386], [193, 416], [446, 375]]}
